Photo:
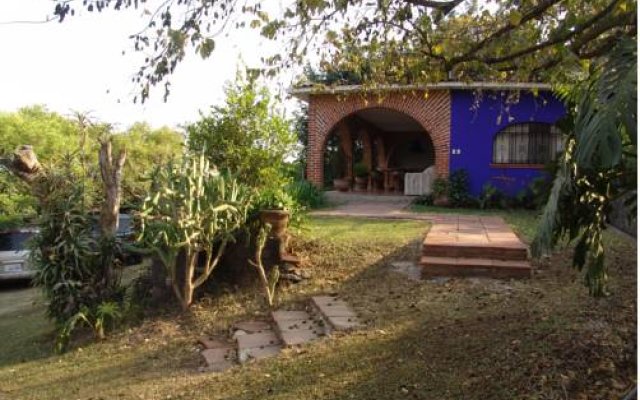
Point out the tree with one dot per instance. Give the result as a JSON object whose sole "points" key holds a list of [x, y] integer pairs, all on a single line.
{"points": [[599, 164], [398, 40], [246, 135]]}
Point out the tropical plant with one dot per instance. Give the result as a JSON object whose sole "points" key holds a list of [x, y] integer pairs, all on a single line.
{"points": [[97, 319], [599, 163], [192, 209]]}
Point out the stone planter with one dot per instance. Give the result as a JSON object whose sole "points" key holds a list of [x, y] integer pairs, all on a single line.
{"points": [[360, 184], [341, 185], [278, 219], [441, 201]]}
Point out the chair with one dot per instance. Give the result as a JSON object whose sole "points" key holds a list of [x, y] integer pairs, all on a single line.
{"points": [[419, 183]]}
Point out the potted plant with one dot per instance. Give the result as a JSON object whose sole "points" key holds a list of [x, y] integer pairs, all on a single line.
{"points": [[275, 207], [440, 190], [341, 184], [361, 172], [376, 180]]}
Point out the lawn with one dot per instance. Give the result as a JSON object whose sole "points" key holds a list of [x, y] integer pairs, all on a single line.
{"points": [[474, 339]]}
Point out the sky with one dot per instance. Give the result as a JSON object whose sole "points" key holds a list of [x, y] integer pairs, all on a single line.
{"points": [[78, 65]]}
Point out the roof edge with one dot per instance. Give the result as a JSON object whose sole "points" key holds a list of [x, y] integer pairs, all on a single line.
{"points": [[303, 93]]}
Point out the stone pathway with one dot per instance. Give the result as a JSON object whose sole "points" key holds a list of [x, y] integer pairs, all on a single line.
{"points": [[255, 340]]}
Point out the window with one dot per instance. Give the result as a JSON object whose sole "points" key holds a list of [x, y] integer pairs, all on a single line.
{"points": [[530, 143]]}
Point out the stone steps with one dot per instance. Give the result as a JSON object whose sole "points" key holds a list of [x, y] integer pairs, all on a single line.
{"points": [[255, 340], [474, 246], [480, 267]]}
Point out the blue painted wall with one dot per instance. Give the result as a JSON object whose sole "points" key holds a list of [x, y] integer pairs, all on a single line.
{"points": [[475, 122]]}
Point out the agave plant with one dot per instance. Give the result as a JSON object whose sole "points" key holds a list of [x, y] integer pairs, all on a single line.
{"points": [[192, 210], [599, 163]]}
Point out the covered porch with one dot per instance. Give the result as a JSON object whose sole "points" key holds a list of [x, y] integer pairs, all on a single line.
{"points": [[379, 151]]}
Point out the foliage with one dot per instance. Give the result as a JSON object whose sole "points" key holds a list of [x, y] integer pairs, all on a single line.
{"points": [[275, 199], [268, 282], [191, 209], [306, 194], [147, 148], [398, 41], [301, 129], [458, 188], [490, 197], [246, 135], [440, 187], [424, 200], [360, 170], [97, 319], [599, 163], [71, 264]]}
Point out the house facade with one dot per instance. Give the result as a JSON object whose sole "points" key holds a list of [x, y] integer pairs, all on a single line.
{"points": [[501, 134]]}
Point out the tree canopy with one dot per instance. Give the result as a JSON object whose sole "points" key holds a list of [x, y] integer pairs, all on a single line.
{"points": [[390, 40]]}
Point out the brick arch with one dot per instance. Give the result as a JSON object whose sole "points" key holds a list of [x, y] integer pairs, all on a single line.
{"points": [[326, 111]]}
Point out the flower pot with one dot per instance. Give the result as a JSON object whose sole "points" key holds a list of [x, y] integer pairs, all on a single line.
{"points": [[441, 201], [278, 219], [360, 184], [341, 185]]}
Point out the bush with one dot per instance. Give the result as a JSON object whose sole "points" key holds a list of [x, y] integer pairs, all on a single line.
{"points": [[458, 190], [306, 194], [360, 170], [424, 200], [440, 187], [491, 197]]}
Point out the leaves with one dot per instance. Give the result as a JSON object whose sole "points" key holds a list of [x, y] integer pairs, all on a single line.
{"points": [[598, 165]]}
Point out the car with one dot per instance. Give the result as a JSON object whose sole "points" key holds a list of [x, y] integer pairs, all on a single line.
{"points": [[14, 255]]}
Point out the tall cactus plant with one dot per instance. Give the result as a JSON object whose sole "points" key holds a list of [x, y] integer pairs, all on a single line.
{"points": [[192, 209]]}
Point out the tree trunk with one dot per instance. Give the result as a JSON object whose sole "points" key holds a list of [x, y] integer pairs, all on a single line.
{"points": [[187, 285], [111, 171], [23, 164]]}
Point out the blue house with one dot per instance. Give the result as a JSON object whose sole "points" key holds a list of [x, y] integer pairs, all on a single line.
{"points": [[381, 141]]}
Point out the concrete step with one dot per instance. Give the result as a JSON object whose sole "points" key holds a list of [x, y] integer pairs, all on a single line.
{"points": [[335, 312], [480, 267], [510, 252]]}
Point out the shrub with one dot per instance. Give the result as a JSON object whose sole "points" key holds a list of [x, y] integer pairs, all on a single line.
{"points": [[360, 170], [491, 197], [306, 194], [440, 187], [424, 200], [458, 192]]}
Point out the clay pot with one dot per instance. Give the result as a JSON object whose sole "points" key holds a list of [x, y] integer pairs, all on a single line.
{"points": [[341, 185], [278, 219], [360, 184], [441, 201]]}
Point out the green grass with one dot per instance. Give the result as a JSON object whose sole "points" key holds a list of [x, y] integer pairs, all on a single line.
{"points": [[471, 339]]}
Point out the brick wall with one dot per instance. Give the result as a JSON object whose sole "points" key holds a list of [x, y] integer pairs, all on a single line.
{"points": [[327, 110]]}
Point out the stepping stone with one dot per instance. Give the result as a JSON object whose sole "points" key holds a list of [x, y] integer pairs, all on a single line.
{"points": [[261, 339], [213, 342], [252, 326], [335, 312], [259, 353], [290, 315], [219, 359], [295, 337], [257, 345]]}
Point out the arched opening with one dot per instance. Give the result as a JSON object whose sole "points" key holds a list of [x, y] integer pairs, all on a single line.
{"points": [[374, 149]]}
